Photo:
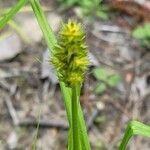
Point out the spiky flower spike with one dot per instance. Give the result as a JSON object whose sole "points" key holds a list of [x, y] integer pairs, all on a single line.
{"points": [[70, 55]]}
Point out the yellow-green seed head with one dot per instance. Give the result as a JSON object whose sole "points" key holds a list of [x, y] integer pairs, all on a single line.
{"points": [[70, 55]]}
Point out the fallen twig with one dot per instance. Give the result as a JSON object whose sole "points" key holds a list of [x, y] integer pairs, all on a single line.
{"points": [[44, 123], [12, 111], [32, 122], [26, 122]]}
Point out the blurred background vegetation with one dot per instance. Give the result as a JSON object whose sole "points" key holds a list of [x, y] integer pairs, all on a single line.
{"points": [[117, 85]]}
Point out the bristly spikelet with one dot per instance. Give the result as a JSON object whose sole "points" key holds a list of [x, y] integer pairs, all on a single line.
{"points": [[70, 55]]}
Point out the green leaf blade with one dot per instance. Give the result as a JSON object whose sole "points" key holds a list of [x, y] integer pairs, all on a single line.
{"points": [[134, 128], [44, 25], [8, 16]]}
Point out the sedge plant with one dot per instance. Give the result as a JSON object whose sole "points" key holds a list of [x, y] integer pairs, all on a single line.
{"points": [[71, 61], [69, 56]]}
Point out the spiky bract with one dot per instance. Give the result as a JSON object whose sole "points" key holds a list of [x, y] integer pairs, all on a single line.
{"points": [[70, 55]]}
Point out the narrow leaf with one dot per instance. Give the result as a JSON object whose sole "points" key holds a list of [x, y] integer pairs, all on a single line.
{"points": [[134, 128], [8, 16], [44, 25]]}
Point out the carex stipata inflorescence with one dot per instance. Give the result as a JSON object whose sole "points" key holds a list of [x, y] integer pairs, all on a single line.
{"points": [[70, 56]]}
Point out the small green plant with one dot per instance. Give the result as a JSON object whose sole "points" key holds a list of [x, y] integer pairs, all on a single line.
{"points": [[65, 4], [143, 33], [70, 70], [88, 8], [106, 79]]}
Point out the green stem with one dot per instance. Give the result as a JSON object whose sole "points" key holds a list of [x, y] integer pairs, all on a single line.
{"points": [[128, 135], [82, 126], [67, 94], [75, 121]]}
